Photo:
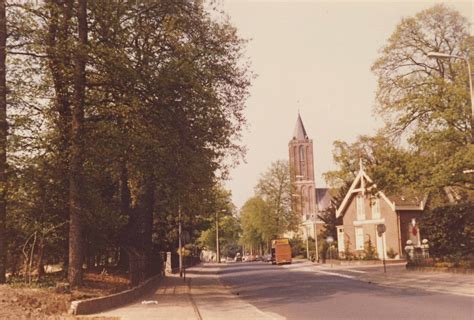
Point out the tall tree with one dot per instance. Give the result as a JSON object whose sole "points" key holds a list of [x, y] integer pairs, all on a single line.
{"points": [[276, 188], [3, 140], [385, 162], [163, 104], [257, 226], [427, 101], [76, 206]]}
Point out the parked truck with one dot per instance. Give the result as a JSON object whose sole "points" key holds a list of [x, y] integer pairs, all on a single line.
{"points": [[281, 251]]}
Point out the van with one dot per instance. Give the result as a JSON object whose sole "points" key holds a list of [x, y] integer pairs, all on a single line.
{"points": [[281, 251]]}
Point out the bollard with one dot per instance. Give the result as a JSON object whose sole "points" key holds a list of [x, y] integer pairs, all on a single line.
{"points": [[410, 249], [425, 248]]}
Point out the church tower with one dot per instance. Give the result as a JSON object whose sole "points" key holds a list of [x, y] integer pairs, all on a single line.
{"points": [[302, 168]]}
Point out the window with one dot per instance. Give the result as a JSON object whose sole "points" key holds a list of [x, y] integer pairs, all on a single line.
{"points": [[359, 233], [360, 207], [303, 200], [301, 153], [310, 200], [375, 208]]}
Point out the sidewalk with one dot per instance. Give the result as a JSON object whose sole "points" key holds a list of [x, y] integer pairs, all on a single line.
{"points": [[443, 282], [202, 296], [396, 276]]}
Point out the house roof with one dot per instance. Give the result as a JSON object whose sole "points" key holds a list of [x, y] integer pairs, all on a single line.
{"points": [[408, 200], [402, 201], [323, 198], [299, 133]]}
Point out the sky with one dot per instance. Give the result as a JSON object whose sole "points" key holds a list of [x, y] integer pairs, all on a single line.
{"points": [[313, 57]]}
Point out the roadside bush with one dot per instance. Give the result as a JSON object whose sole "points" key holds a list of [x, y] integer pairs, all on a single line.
{"points": [[348, 254], [391, 253], [450, 230], [369, 251], [298, 247]]}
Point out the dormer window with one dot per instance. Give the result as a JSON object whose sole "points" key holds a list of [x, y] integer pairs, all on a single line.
{"points": [[360, 207]]}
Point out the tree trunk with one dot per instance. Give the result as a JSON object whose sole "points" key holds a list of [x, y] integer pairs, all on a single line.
{"points": [[59, 64], [40, 260], [3, 142], [148, 206], [125, 201], [76, 208]]}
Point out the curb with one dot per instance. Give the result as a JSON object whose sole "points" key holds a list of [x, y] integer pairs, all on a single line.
{"points": [[96, 305], [445, 270]]}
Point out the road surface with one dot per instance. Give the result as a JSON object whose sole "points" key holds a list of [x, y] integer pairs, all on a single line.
{"points": [[294, 292]]}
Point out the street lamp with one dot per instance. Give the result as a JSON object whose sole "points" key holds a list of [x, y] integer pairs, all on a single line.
{"points": [[439, 55]]}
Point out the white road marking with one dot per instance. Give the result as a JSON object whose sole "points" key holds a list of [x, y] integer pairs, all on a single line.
{"points": [[335, 274], [352, 270]]}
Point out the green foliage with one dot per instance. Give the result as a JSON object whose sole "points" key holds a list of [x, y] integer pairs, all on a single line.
{"points": [[391, 253], [276, 189], [383, 161], [269, 214], [449, 230], [298, 247], [427, 101], [166, 86], [329, 214], [253, 217], [370, 253]]}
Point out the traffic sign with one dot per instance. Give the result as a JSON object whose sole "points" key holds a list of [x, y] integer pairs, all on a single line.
{"points": [[381, 228]]}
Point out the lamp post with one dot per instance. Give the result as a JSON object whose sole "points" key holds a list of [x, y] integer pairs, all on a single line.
{"points": [[330, 240], [439, 55], [316, 248]]}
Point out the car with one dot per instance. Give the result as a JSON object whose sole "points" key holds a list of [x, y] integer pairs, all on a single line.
{"points": [[250, 258], [267, 258], [229, 259], [238, 257]]}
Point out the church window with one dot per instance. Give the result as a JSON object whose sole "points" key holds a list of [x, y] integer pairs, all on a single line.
{"points": [[302, 153], [310, 207]]}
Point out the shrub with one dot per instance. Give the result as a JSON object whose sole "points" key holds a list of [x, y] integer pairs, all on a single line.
{"points": [[348, 254], [450, 230], [369, 251], [391, 253]]}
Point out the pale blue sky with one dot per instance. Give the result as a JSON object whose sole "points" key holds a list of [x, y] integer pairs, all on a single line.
{"points": [[316, 57]]}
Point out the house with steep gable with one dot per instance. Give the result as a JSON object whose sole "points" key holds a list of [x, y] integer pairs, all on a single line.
{"points": [[364, 208]]}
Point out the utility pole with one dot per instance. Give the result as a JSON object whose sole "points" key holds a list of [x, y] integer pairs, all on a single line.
{"points": [[307, 242], [218, 251], [180, 244], [316, 248]]}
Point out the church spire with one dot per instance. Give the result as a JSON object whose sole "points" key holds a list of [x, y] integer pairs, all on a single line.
{"points": [[300, 132]]}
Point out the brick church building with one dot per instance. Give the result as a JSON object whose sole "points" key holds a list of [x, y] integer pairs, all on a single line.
{"points": [[308, 199]]}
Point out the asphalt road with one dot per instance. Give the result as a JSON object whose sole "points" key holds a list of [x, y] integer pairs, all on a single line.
{"points": [[294, 293]]}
